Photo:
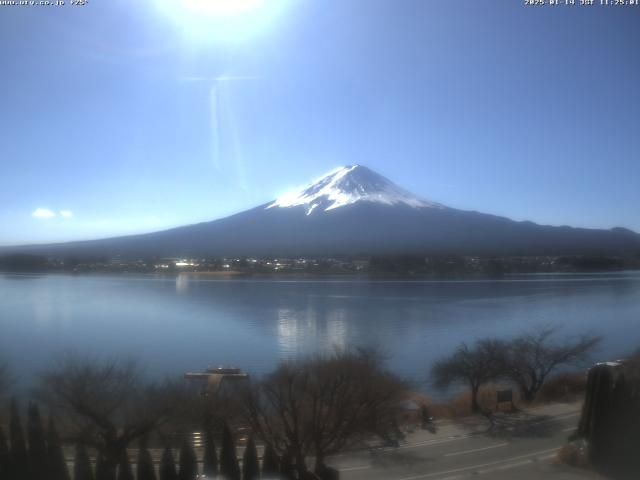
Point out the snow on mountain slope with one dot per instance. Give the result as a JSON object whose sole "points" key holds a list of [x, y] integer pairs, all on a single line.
{"points": [[348, 185]]}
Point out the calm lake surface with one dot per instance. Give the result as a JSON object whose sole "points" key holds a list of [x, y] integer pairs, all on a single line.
{"points": [[178, 324]]}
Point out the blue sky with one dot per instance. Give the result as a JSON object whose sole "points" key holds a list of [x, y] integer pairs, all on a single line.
{"points": [[136, 116]]}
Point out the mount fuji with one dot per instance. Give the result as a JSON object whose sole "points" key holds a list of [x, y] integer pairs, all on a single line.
{"points": [[354, 210], [346, 186]]}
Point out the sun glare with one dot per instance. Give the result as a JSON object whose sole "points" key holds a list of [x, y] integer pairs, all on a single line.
{"points": [[205, 21], [218, 7]]}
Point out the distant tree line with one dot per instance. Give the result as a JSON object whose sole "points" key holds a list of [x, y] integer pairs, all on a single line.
{"points": [[449, 265], [20, 262]]}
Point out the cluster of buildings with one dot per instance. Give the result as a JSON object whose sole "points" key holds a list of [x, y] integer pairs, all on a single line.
{"points": [[381, 264]]}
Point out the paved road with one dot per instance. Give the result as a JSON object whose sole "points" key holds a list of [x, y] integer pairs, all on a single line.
{"points": [[521, 445]]}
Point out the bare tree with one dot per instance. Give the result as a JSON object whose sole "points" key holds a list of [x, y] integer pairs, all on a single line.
{"points": [[320, 406], [534, 355], [5, 379], [107, 403], [474, 366]]}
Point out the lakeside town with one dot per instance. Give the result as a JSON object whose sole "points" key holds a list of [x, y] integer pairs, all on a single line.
{"points": [[438, 265]]}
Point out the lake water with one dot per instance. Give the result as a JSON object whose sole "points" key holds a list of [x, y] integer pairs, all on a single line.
{"points": [[178, 324]]}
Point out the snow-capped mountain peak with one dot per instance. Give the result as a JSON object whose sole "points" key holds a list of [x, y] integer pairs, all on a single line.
{"points": [[348, 185]]}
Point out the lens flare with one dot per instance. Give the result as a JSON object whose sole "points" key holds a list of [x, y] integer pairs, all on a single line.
{"points": [[211, 21], [217, 7]]}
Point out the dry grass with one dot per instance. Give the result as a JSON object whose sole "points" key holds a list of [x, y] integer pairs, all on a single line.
{"points": [[561, 388], [574, 455], [460, 405]]}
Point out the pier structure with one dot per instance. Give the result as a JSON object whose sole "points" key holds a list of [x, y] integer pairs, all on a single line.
{"points": [[214, 376]]}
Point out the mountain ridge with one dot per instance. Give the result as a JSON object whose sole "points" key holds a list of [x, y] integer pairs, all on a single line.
{"points": [[354, 211]]}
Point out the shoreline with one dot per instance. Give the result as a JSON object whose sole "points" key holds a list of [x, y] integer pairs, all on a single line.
{"points": [[340, 276]]}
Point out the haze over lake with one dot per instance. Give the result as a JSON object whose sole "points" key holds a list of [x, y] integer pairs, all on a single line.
{"points": [[175, 324]]}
